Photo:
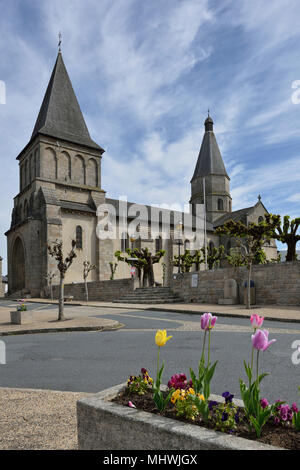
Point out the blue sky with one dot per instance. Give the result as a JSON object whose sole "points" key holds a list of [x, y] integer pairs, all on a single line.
{"points": [[145, 74]]}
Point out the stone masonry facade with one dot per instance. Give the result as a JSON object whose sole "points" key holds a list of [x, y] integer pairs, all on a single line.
{"points": [[105, 291], [275, 283]]}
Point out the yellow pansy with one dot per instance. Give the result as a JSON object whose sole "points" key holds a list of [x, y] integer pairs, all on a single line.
{"points": [[161, 337]]}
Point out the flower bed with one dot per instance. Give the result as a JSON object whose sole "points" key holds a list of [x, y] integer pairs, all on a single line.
{"points": [[184, 415], [277, 435], [190, 400]]}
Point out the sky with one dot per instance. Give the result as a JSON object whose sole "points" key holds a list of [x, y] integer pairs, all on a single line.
{"points": [[145, 74]]}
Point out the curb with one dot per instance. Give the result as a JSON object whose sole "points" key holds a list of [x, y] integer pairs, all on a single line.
{"points": [[63, 330]]}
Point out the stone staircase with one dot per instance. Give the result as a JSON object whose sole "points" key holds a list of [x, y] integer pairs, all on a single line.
{"points": [[150, 295]]}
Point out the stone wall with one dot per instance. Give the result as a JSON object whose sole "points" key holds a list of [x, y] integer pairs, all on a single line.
{"points": [[275, 283], [99, 290], [2, 285]]}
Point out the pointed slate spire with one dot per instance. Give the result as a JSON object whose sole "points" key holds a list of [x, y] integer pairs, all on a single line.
{"points": [[209, 161], [60, 115]]}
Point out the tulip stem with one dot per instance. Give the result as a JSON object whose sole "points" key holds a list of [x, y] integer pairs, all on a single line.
{"points": [[158, 361], [208, 356], [257, 368], [202, 355], [252, 359]]}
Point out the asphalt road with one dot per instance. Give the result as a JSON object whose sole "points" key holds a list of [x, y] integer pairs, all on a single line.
{"points": [[93, 361]]}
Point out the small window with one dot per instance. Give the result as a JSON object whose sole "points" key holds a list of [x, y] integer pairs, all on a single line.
{"points": [[228, 247], [260, 219], [220, 205], [79, 237], [158, 244]]}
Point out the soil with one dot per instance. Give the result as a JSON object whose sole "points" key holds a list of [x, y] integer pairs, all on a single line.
{"points": [[275, 435]]}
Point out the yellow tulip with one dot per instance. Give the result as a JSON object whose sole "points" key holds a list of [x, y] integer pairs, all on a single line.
{"points": [[161, 337]]}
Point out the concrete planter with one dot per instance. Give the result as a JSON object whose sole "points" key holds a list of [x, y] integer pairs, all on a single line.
{"points": [[103, 425], [18, 317]]}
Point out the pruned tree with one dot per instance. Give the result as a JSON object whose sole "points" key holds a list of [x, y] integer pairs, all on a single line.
{"points": [[144, 263], [253, 236], [185, 261], [235, 258], [214, 255], [286, 232], [198, 258], [113, 268], [63, 265], [87, 268]]}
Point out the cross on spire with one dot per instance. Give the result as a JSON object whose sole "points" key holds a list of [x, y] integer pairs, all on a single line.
{"points": [[59, 41], [259, 197]]}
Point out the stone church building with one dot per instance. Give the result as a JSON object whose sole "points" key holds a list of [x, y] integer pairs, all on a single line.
{"points": [[60, 189]]}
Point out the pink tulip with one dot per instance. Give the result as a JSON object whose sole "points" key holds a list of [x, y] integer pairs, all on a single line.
{"points": [[256, 321], [260, 340], [208, 321]]}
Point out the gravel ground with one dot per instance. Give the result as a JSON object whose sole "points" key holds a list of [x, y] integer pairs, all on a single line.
{"points": [[38, 419]]}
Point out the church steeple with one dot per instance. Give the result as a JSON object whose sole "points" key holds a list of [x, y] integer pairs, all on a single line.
{"points": [[60, 115], [209, 161], [211, 169]]}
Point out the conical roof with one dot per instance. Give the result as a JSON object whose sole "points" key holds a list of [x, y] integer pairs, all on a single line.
{"points": [[60, 115], [210, 161]]}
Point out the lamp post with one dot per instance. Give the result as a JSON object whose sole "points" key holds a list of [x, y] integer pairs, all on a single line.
{"points": [[179, 242], [132, 239]]}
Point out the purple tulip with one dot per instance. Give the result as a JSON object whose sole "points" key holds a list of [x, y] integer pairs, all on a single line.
{"points": [[256, 321], [260, 340], [208, 321], [264, 403]]}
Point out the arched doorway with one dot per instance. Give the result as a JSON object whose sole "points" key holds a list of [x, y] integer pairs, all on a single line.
{"points": [[18, 266]]}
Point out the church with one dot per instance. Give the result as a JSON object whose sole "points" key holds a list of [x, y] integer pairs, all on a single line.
{"points": [[60, 189]]}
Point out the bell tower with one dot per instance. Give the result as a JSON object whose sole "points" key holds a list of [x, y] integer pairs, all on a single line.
{"points": [[210, 171]]}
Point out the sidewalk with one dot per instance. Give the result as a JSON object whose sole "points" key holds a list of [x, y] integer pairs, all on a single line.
{"points": [[271, 312], [46, 322]]}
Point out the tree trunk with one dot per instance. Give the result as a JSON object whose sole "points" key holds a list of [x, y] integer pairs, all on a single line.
{"points": [[291, 251], [145, 277], [86, 291], [249, 288], [151, 275], [51, 291], [61, 298]]}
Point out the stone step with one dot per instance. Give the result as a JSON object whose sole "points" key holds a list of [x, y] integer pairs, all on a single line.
{"points": [[154, 301], [146, 294]]}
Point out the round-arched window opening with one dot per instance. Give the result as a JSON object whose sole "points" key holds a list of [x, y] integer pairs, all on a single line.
{"points": [[220, 205], [79, 237]]}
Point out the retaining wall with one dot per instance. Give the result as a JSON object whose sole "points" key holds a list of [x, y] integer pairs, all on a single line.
{"points": [[275, 283]]}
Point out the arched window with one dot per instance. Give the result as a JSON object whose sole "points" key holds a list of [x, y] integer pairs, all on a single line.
{"points": [[228, 247], [124, 241], [79, 237], [260, 219], [220, 205], [158, 244]]}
